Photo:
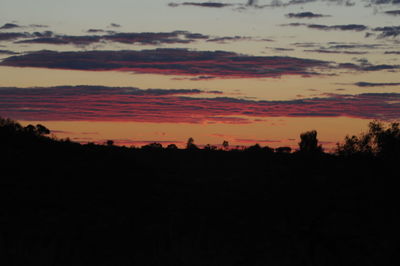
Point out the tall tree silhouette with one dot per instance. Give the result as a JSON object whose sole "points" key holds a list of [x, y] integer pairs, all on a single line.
{"points": [[190, 144], [309, 142], [225, 145]]}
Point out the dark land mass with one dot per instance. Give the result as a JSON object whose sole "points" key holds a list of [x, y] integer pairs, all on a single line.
{"points": [[63, 203]]}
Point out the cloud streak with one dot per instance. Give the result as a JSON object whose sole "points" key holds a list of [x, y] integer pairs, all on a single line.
{"points": [[97, 103], [283, 3], [371, 84], [7, 52], [143, 38], [347, 27], [393, 12], [388, 31], [202, 4], [9, 26], [305, 15], [10, 36]]}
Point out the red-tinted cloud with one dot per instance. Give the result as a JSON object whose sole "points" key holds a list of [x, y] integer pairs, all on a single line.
{"points": [[90, 103]]}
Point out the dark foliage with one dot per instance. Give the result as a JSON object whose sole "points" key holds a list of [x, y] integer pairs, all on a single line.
{"points": [[190, 145], [380, 140], [309, 143], [283, 150], [155, 146], [63, 203]]}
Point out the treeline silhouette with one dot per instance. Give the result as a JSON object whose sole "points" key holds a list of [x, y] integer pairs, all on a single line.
{"points": [[65, 203]]}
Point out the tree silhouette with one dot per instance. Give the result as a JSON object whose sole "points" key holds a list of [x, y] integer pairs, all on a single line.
{"points": [[172, 147], [309, 142], [380, 140], [110, 143], [268, 149], [190, 144], [30, 129], [225, 145], [153, 146], [210, 147], [42, 130], [254, 148], [9, 125], [283, 150]]}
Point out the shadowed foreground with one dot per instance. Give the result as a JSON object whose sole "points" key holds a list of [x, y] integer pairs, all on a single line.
{"points": [[62, 203]]}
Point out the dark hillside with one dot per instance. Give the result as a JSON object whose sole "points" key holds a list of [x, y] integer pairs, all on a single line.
{"points": [[62, 203]]}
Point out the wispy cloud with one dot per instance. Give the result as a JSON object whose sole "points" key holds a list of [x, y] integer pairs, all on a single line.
{"points": [[285, 3], [324, 51], [341, 47], [305, 15], [7, 52], [9, 26], [347, 27], [388, 31], [392, 52], [383, 2], [143, 38], [369, 67], [10, 36], [201, 4], [393, 12], [379, 84], [115, 25]]}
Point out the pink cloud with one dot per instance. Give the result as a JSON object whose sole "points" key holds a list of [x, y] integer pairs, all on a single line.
{"points": [[90, 103]]}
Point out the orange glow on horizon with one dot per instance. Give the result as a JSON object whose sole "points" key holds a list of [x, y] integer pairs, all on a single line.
{"points": [[273, 132]]}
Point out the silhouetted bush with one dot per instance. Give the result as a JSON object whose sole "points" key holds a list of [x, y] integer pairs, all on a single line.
{"points": [[172, 147], [110, 143], [153, 146], [283, 150], [209, 147], [42, 130], [254, 148]]}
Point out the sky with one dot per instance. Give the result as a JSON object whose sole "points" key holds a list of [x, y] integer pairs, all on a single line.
{"points": [[257, 71]]}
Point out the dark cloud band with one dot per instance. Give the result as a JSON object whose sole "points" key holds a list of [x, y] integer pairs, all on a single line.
{"points": [[172, 62], [144, 38]]}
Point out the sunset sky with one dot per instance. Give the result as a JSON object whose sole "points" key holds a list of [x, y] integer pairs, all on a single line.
{"points": [[140, 71]]}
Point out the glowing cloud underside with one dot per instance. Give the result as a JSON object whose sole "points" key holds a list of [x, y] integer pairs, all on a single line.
{"points": [[91, 103]]}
